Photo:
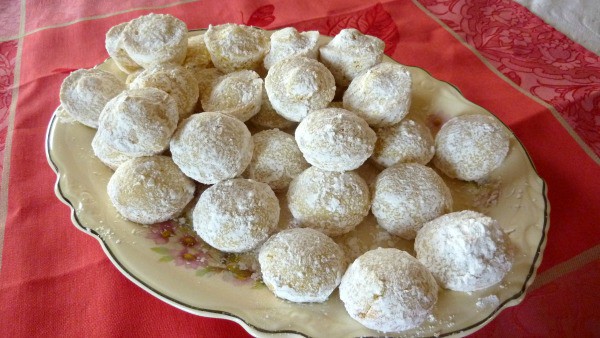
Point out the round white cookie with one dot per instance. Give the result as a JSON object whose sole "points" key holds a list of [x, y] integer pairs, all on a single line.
{"points": [[288, 42], [267, 117], [114, 47], [236, 47], [407, 141], [197, 56], [238, 94]]}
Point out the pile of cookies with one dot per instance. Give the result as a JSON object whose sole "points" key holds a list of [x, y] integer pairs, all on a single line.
{"points": [[182, 118]]}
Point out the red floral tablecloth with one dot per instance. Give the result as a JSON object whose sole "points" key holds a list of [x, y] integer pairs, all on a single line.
{"points": [[55, 280]]}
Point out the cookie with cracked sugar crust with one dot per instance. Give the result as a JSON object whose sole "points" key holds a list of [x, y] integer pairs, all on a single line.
{"points": [[388, 290], [298, 85], [236, 215], [139, 122], [212, 147], [114, 47], [329, 201], [335, 139], [349, 53], [238, 94], [288, 42], [406, 196], [150, 189], [176, 81], [85, 92], [381, 94], [301, 265], [235, 47], [470, 147], [156, 39]]}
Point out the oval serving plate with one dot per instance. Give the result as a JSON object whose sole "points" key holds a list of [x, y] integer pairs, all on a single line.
{"points": [[168, 261]]}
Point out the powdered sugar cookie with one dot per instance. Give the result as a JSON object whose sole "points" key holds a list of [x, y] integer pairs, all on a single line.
{"points": [[236, 47], [267, 117], [298, 85], [197, 56], [114, 47], [288, 42], [470, 147], [155, 39], [176, 81], [139, 122], [150, 189], [110, 156], [388, 290], [301, 265], [407, 141], [236, 215], [335, 139], [407, 195], [465, 251], [381, 94], [276, 159], [85, 92], [331, 202], [212, 147], [349, 53], [238, 94]]}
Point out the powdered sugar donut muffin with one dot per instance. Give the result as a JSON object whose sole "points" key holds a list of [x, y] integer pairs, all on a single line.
{"points": [[85, 92], [211, 147], [329, 201], [176, 81], [238, 94], [381, 94], [335, 139], [150, 189], [301, 265], [465, 251], [288, 42], [139, 122], [276, 159], [267, 117], [114, 47], [349, 53], [103, 150], [197, 56], [470, 147], [407, 195], [388, 290], [298, 85], [236, 47], [155, 39], [407, 141], [236, 215]]}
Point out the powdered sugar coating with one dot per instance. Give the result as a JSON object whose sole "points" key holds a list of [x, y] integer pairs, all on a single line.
{"points": [[114, 47], [407, 141], [349, 53], [176, 81], [288, 42], [85, 92], [335, 139], [139, 122], [276, 159], [150, 189], [155, 39], [301, 265], [470, 147], [388, 290], [267, 117], [381, 94], [331, 202], [110, 156], [212, 147], [238, 94], [465, 251], [407, 195], [298, 85], [236, 47], [197, 56], [236, 215]]}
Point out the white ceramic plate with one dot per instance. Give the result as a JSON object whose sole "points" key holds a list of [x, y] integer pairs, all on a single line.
{"points": [[170, 263]]}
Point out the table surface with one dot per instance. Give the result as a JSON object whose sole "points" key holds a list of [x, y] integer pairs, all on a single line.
{"points": [[55, 280]]}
